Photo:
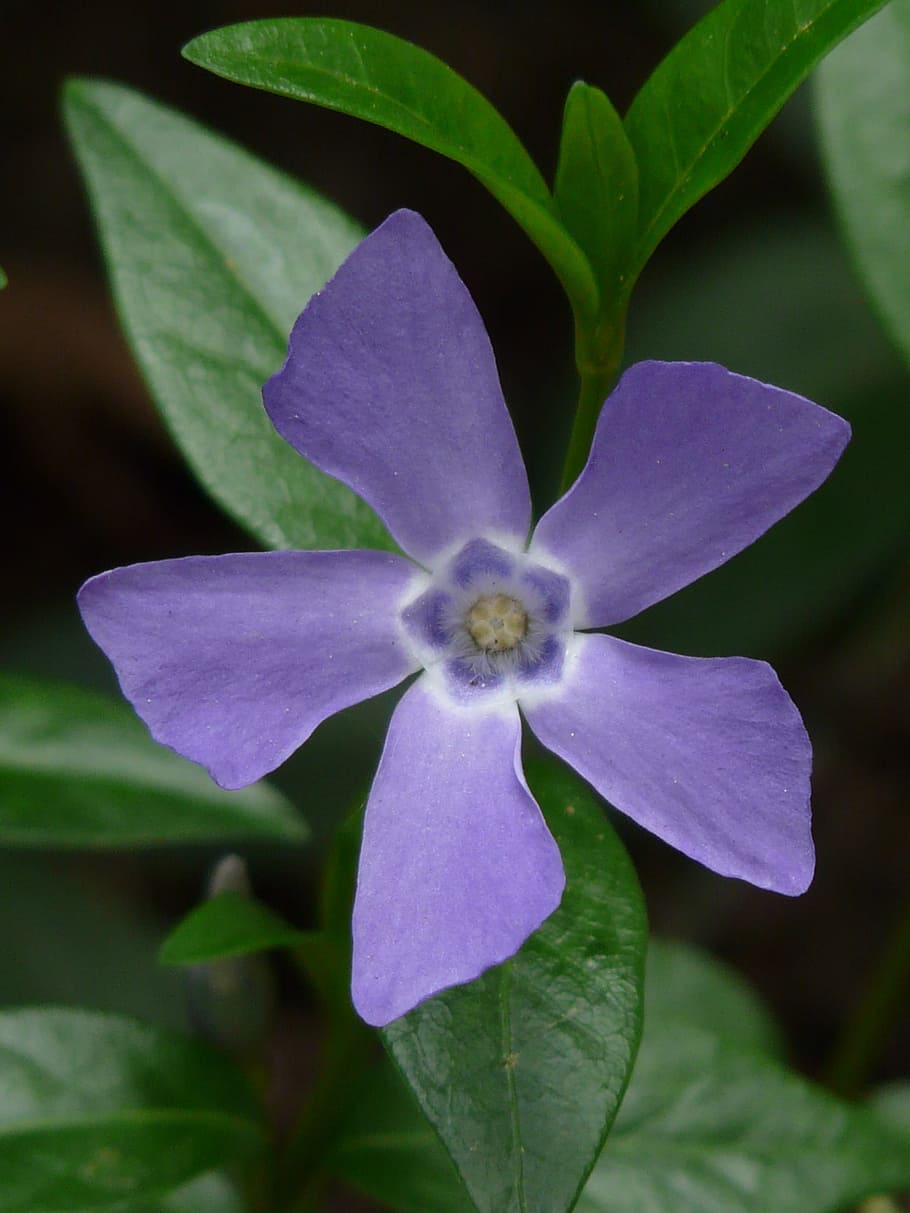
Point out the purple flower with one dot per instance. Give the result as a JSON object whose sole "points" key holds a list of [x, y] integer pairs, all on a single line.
{"points": [[390, 385]]}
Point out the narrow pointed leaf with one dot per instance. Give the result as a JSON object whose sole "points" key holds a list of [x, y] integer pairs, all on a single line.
{"points": [[717, 90], [98, 1110], [227, 925], [535, 1055], [383, 79], [212, 255], [706, 1128], [863, 105], [77, 769], [596, 185]]}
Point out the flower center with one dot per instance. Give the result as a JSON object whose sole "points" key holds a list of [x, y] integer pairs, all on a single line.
{"points": [[497, 622]]}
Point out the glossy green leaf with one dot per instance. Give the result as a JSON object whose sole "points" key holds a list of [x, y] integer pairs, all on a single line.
{"points": [[708, 1125], [387, 1149], [227, 925], [535, 1055], [768, 307], [212, 255], [97, 1110], [863, 96], [716, 91], [596, 187], [690, 987], [706, 1128], [383, 79], [77, 769]]}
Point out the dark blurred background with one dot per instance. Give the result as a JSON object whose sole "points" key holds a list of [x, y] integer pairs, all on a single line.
{"points": [[756, 277]]}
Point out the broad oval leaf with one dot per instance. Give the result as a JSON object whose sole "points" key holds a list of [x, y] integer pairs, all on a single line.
{"points": [[719, 87], [706, 1128], [386, 80], [212, 254], [79, 770], [97, 1110], [521, 1072], [230, 924], [863, 96]]}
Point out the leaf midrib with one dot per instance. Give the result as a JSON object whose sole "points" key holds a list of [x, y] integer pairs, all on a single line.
{"points": [[508, 1053]]}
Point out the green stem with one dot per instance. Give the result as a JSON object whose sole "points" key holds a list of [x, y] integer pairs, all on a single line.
{"points": [[598, 355], [875, 1015], [347, 1048]]}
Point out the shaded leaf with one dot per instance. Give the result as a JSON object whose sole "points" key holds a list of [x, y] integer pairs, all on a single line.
{"points": [[383, 79], [230, 924], [716, 91], [892, 1104], [212, 254], [77, 769], [387, 1149], [207, 1194], [705, 1128], [863, 96], [535, 1055], [97, 1110], [690, 987], [596, 185]]}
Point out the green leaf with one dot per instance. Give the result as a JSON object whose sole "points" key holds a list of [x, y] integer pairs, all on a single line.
{"points": [[383, 79], [386, 1148], [690, 987], [212, 254], [230, 924], [706, 1128], [716, 91], [97, 1110], [77, 769], [3, 278], [596, 185], [892, 1104], [536, 1054], [863, 96], [207, 1194], [708, 1125]]}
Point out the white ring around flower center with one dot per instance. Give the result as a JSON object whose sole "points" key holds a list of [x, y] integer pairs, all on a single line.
{"points": [[497, 622]]}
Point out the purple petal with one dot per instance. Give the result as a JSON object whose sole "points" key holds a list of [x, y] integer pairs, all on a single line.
{"points": [[457, 866], [690, 464], [232, 661], [708, 754], [391, 386]]}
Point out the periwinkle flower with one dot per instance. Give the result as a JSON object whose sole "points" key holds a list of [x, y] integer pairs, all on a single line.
{"points": [[390, 385]]}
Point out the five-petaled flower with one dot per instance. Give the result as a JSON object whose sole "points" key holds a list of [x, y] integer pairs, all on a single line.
{"points": [[390, 386]]}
